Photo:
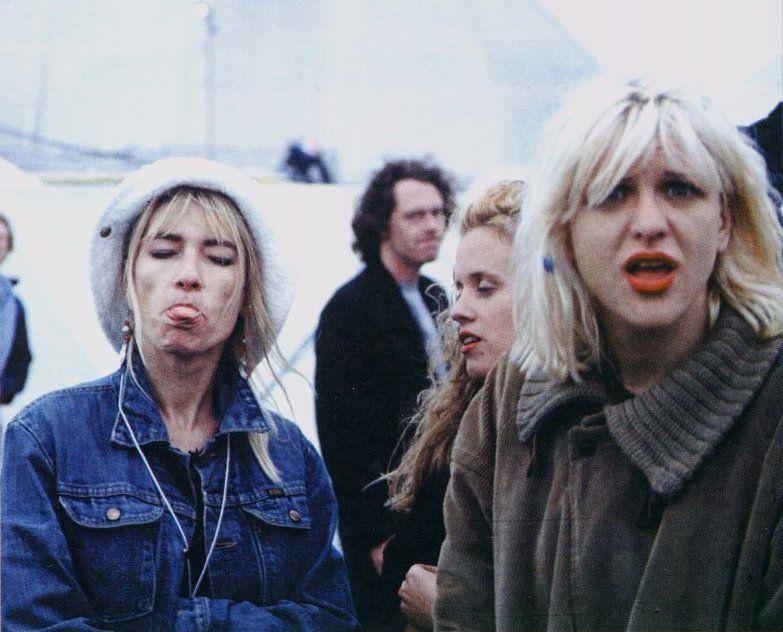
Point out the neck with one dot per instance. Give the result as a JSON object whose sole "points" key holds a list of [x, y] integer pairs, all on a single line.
{"points": [[183, 390], [645, 355], [403, 271]]}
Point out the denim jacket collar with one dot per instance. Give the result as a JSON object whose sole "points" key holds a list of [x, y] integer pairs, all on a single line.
{"points": [[237, 409]]}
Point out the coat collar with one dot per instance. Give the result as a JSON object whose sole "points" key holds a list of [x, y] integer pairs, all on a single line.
{"points": [[433, 294], [236, 406], [668, 430]]}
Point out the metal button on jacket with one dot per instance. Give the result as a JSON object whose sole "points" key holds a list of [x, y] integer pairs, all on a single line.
{"points": [[112, 513], [295, 515]]}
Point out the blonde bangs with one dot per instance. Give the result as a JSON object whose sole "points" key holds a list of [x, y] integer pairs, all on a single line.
{"points": [[225, 222], [633, 139], [601, 134]]}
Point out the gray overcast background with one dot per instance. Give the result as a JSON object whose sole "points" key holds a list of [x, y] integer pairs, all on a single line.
{"points": [[471, 82]]}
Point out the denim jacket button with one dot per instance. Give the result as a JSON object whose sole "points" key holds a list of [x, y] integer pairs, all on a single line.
{"points": [[112, 513], [295, 516]]}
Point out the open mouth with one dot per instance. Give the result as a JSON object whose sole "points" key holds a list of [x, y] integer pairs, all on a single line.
{"points": [[469, 341], [650, 272]]}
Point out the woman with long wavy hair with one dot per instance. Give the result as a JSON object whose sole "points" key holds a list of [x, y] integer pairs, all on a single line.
{"points": [[475, 334]]}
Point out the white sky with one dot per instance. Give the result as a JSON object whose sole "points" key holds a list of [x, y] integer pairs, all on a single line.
{"points": [[471, 82], [733, 48]]}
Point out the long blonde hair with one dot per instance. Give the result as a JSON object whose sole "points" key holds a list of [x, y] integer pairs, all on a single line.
{"points": [[442, 405], [604, 131], [252, 341]]}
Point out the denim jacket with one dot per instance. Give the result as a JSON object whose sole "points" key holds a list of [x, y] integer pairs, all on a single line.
{"points": [[88, 544]]}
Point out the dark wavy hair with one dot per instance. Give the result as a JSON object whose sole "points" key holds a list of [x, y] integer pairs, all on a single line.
{"points": [[377, 202]]}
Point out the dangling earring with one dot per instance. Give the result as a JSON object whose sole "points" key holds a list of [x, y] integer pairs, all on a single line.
{"points": [[127, 329]]}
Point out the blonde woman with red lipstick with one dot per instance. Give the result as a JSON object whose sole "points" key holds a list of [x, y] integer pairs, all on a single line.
{"points": [[479, 332], [624, 469]]}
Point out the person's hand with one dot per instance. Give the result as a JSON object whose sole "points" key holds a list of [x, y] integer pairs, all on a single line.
{"points": [[376, 555], [417, 594]]}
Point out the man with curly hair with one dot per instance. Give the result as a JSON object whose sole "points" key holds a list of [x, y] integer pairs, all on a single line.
{"points": [[375, 338]]}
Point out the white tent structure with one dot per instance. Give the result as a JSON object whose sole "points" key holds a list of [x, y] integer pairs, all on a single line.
{"points": [[12, 177], [470, 82]]}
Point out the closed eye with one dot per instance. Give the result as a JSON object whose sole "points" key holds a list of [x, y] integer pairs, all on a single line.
{"points": [[486, 289], [162, 253], [222, 261]]}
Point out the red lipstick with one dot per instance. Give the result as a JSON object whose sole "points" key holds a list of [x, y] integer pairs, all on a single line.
{"points": [[650, 271]]}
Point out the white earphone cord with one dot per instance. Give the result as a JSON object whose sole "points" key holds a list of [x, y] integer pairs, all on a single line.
{"points": [[165, 500]]}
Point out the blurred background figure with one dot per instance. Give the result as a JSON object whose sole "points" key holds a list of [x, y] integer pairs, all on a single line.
{"points": [[375, 338], [14, 349], [475, 334], [305, 163], [767, 133]]}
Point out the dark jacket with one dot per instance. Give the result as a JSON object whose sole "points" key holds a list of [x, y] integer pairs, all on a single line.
{"points": [[370, 366], [416, 538], [767, 133], [88, 544], [14, 375], [662, 512]]}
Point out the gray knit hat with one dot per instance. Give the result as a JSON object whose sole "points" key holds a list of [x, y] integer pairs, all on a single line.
{"points": [[132, 196]]}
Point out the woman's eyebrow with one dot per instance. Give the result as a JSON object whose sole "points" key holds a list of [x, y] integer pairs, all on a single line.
{"points": [[209, 242], [174, 237], [480, 275], [219, 242]]}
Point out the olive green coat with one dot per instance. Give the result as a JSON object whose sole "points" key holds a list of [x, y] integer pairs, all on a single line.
{"points": [[663, 512]]}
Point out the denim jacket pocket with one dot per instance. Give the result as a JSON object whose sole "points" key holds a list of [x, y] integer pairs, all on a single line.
{"points": [[280, 506], [280, 520], [111, 531]]}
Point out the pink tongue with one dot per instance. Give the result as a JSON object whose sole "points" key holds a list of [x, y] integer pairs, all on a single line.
{"points": [[182, 312]]}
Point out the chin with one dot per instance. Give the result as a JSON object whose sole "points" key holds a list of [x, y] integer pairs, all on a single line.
{"points": [[476, 370], [184, 346], [180, 350], [652, 317]]}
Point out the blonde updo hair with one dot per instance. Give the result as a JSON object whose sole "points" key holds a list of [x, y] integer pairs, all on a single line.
{"points": [[497, 209], [601, 134], [442, 405]]}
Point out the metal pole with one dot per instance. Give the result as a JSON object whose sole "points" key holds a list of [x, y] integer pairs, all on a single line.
{"points": [[209, 82]]}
